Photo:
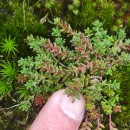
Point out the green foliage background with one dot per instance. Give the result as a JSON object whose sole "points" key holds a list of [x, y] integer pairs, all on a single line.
{"points": [[18, 19]]}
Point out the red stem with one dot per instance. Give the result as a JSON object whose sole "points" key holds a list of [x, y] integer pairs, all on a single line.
{"points": [[98, 123], [110, 126]]}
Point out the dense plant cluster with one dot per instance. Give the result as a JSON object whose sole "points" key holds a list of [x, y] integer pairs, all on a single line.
{"points": [[95, 60], [17, 19], [81, 13], [83, 64]]}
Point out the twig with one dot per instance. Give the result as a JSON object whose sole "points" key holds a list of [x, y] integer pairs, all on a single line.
{"points": [[10, 107], [110, 122], [98, 123], [58, 61]]}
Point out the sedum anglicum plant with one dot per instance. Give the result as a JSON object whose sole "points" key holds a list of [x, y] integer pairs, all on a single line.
{"points": [[80, 63]]}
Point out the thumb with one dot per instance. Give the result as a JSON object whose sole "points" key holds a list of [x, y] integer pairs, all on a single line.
{"points": [[60, 113]]}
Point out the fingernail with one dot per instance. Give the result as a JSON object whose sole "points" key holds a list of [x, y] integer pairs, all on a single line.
{"points": [[73, 110]]}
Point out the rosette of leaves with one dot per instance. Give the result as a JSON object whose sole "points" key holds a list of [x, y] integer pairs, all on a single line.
{"points": [[80, 63], [8, 46]]}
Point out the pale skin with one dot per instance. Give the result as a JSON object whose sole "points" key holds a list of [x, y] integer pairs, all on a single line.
{"points": [[60, 113]]}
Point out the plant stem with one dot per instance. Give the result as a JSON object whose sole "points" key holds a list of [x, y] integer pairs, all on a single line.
{"points": [[110, 126], [58, 62], [24, 14], [98, 123], [10, 107]]}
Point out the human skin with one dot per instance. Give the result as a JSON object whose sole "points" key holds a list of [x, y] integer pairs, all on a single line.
{"points": [[59, 113]]}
